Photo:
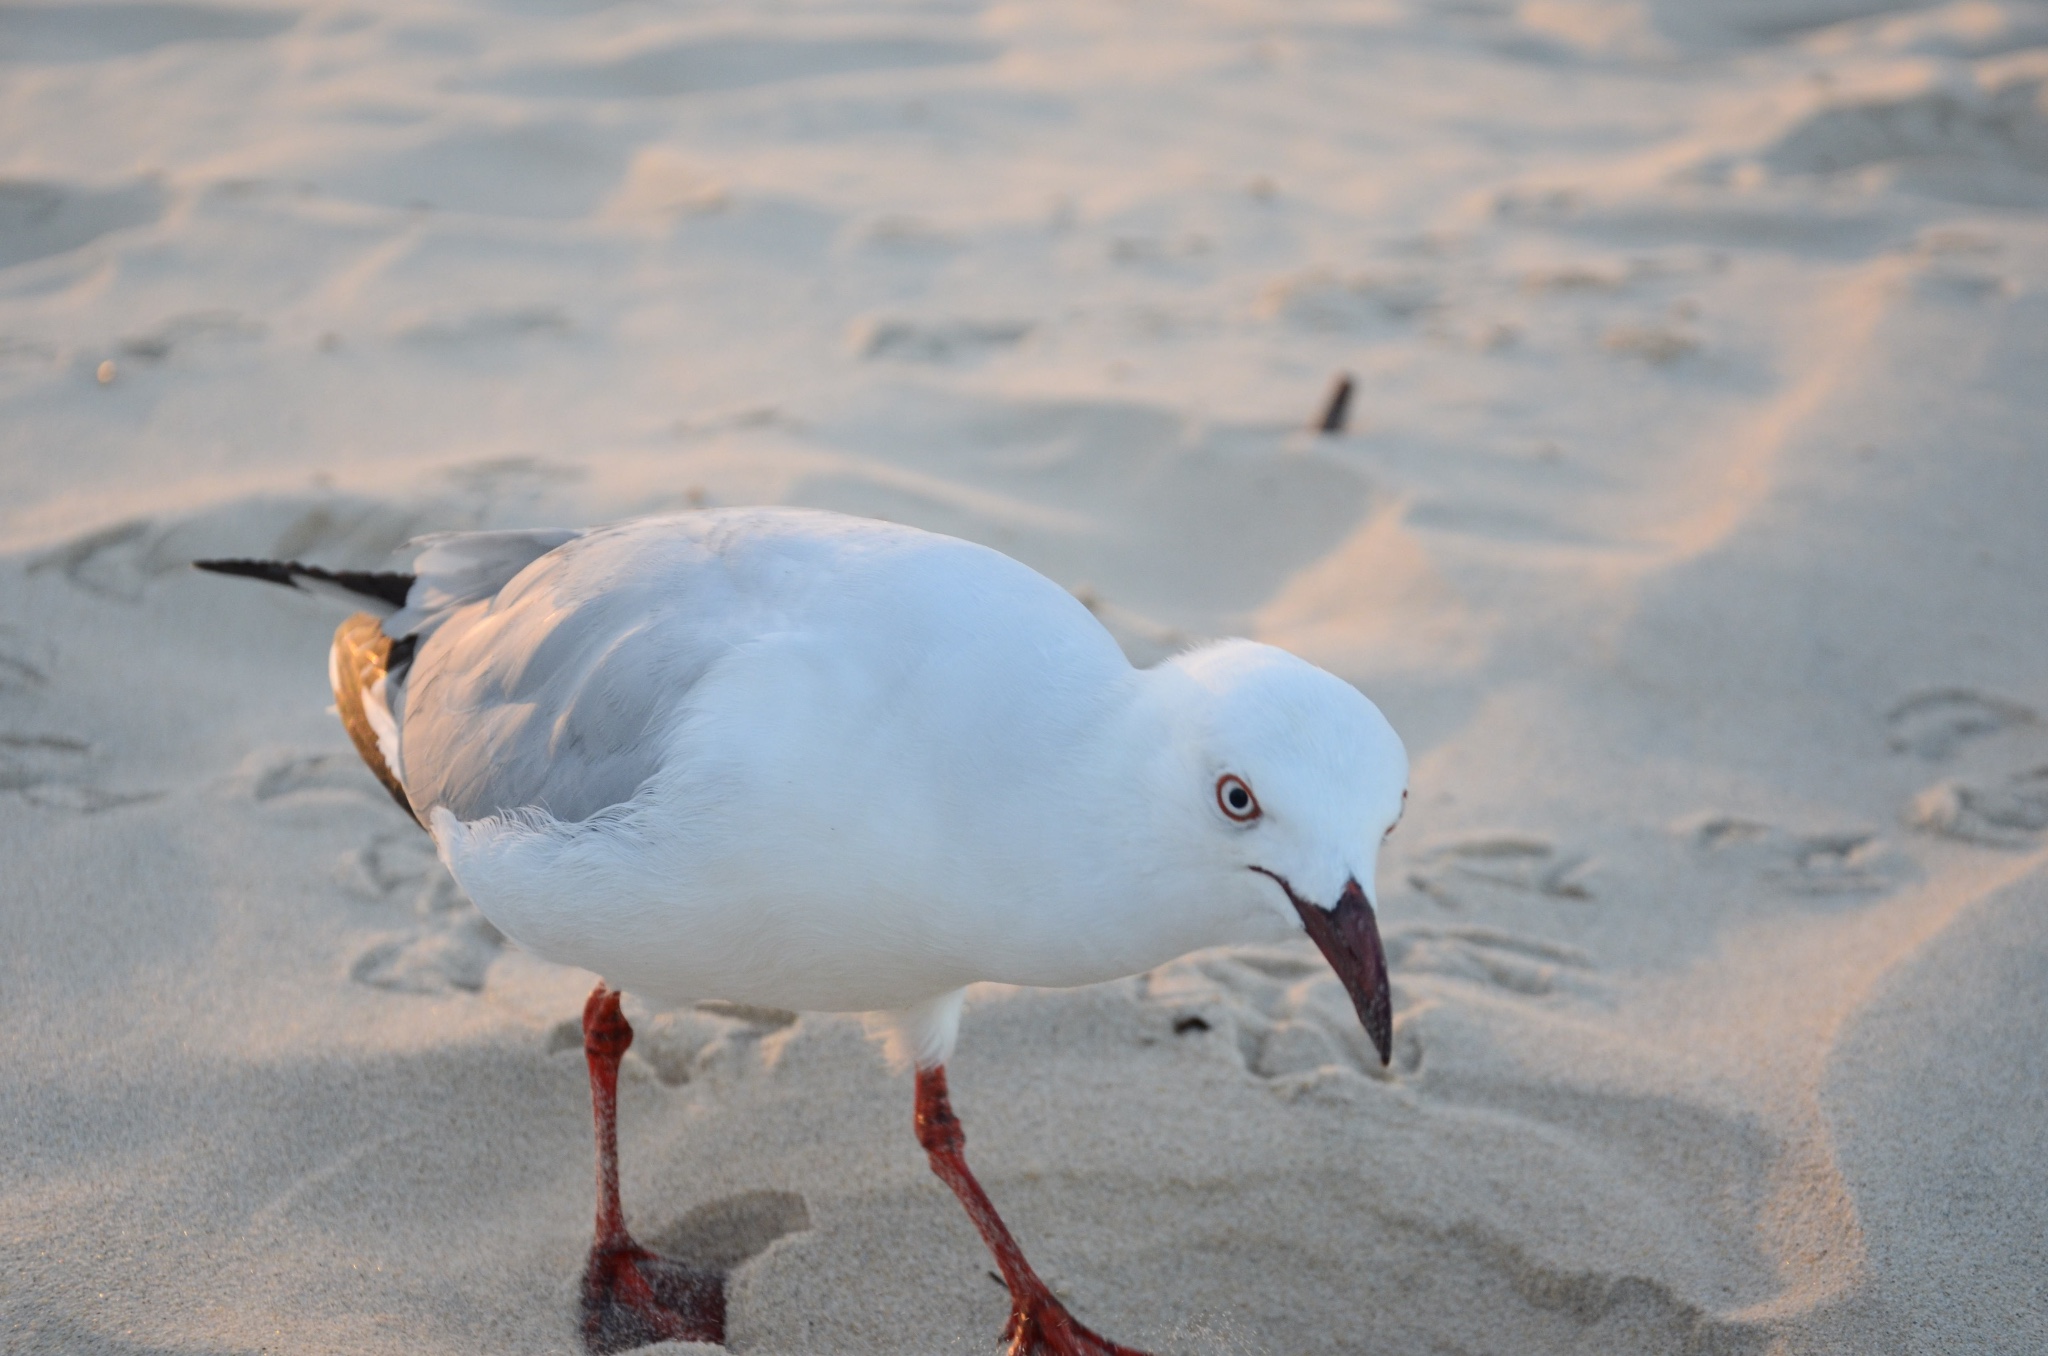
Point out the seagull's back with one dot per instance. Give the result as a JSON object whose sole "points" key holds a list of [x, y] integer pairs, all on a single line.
{"points": [[772, 755]]}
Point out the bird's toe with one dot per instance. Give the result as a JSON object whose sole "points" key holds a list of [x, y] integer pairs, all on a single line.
{"points": [[1041, 1326], [633, 1297]]}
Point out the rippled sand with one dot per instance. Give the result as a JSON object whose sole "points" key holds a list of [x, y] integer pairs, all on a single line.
{"points": [[1688, 524]]}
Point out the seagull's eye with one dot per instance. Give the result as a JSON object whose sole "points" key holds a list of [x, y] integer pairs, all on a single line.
{"points": [[1236, 800], [1399, 815]]}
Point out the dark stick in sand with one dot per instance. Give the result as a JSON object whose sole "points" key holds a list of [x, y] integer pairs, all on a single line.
{"points": [[1336, 409]]}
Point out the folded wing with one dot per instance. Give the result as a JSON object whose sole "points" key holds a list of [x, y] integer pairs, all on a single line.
{"points": [[551, 692]]}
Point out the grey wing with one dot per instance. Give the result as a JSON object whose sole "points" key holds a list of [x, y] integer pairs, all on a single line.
{"points": [[551, 693], [452, 569]]}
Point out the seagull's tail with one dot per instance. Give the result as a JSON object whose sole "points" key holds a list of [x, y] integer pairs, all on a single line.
{"points": [[366, 667], [383, 590], [368, 670]]}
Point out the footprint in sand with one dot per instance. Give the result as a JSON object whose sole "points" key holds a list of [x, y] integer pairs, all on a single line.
{"points": [[53, 770], [2007, 810], [120, 561], [1279, 1014], [1321, 301], [1524, 864], [449, 946], [434, 960], [934, 341], [486, 327], [18, 676], [109, 563], [1844, 862], [680, 1046], [1637, 1314], [2011, 812], [1957, 143], [1284, 1018], [185, 331], [400, 865], [31, 760], [275, 775], [1935, 724], [1529, 966], [1656, 344], [40, 217]]}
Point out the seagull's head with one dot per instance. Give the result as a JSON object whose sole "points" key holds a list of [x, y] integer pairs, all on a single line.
{"points": [[1295, 779]]}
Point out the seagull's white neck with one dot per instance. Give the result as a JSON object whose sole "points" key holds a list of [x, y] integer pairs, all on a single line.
{"points": [[1109, 864]]}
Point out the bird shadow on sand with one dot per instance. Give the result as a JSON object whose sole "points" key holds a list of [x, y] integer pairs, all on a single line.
{"points": [[724, 1235]]}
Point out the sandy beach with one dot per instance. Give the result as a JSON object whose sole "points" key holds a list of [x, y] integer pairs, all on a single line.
{"points": [[1688, 526]]}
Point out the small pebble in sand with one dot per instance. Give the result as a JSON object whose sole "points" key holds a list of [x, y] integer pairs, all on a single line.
{"points": [[106, 372]]}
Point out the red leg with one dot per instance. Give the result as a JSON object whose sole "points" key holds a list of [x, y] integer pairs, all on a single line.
{"points": [[632, 1297], [1039, 1323]]}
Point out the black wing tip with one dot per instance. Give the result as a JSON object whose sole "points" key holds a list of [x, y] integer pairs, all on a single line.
{"points": [[388, 587], [270, 571]]}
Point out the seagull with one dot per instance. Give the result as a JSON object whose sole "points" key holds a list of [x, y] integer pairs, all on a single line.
{"points": [[800, 760]]}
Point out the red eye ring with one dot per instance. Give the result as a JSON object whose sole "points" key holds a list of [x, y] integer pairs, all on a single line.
{"points": [[1236, 800]]}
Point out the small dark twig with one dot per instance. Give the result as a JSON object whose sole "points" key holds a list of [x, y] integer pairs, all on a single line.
{"points": [[1337, 409]]}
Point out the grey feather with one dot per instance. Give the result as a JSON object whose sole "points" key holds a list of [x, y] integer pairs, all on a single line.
{"points": [[452, 569], [550, 693]]}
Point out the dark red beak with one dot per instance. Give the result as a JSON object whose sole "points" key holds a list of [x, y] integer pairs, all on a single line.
{"points": [[1349, 937]]}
